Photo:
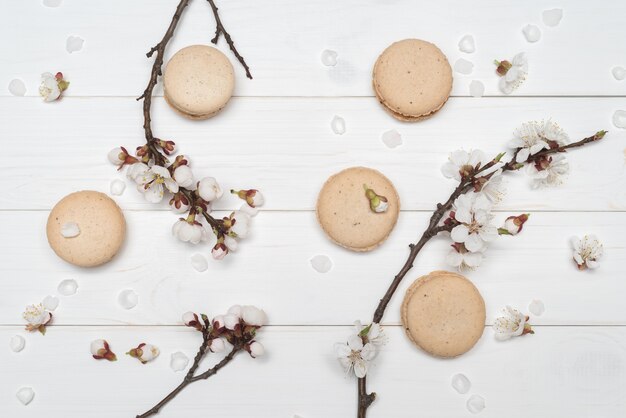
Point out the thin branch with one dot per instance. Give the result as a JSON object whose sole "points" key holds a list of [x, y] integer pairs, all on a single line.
{"points": [[365, 399], [221, 30]]}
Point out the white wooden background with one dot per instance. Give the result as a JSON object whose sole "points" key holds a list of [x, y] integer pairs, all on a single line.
{"points": [[275, 135]]}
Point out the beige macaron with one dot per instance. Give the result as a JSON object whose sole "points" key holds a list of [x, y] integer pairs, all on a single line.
{"points": [[96, 224], [443, 313], [198, 81], [344, 213], [412, 79]]}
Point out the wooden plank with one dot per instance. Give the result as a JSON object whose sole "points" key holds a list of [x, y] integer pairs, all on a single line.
{"points": [[560, 371], [272, 270], [283, 42], [286, 148]]}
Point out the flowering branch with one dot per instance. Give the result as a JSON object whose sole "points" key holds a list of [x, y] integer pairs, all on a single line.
{"points": [[238, 328], [151, 169], [539, 151]]}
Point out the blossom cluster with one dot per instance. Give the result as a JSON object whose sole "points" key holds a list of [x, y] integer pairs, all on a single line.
{"points": [[189, 196], [361, 348], [238, 327]]}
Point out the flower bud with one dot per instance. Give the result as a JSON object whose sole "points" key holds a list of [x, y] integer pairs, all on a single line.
{"points": [[120, 157], [231, 321], [144, 352], [218, 322], [235, 310], [100, 350], [190, 319], [179, 203], [217, 345], [219, 251], [513, 224], [378, 204], [209, 189], [254, 316], [503, 67], [168, 147], [253, 197], [239, 224], [256, 349], [183, 176]]}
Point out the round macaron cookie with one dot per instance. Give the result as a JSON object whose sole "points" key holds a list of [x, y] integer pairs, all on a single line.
{"points": [[346, 214], [443, 314], [412, 79], [86, 228], [198, 81]]}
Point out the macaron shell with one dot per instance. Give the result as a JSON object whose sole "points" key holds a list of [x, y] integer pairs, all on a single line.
{"points": [[344, 213], [101, 223], [198, 81], [412, 78], [443, 314]]}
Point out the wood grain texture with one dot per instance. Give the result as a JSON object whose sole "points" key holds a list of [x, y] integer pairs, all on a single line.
{"points": [[282, 42], [272, 270], [559, 371], [285, 147]]}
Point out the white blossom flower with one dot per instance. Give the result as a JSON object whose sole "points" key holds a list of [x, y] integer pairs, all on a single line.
{"points": [[239, 224], [532, 137], [256, 349], [494, 189], [512, 324], [36, 316], [217, 345], [137, 171], [209, 189], [513, 224], [184, 176], [547, 171], [144, 352], [473, 211], [186, 231], [254, 316], [230, 243], [373, 333], [100, 350], [153, 181], [513, 73], [52, 86], [355, 356], [587, 251], [462, 163], [462, 259]]}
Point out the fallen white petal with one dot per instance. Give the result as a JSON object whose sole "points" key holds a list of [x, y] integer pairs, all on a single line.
{"points": [[536, 307], [178, 361], [338, 125], [476, 88], [619, 119], [50, 302], [329, 57], [74, 44], [68, 287], [461, 383], [17, 343], [70, 230], [552, 17], [619, 73], [199, 262], [532, 33], [17, 87], [463, 66], [117, 187], [392, 138], [466, 44], [128, 299], [25, 395], [52, 3], [321, 263], [475, 404]]}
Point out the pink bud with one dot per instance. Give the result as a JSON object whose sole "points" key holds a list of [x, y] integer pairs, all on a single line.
{"points": [[256, 349], [217, 345], [514, 224]]}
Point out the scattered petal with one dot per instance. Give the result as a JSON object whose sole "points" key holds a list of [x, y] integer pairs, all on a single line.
{"points": [[50, 302], [475, 404], [117, 187], [17, 87], [476, 88], [25, 395], [463, 66], [532, 33], [392, 138], [461, 383], [619, 119], [466, 44], [74, 44], [618, 72], [321, 263], [338, 125], [536, 307], [52, 3], [68, 287], [128, 299], [329, 57], [199, 262], [17, 343], [552, 17], [70, 230], [178, 361]]}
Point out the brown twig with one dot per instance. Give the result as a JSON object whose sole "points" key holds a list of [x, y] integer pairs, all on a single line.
{"points": [[190, 378], [365, 399], [220, 30]]}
